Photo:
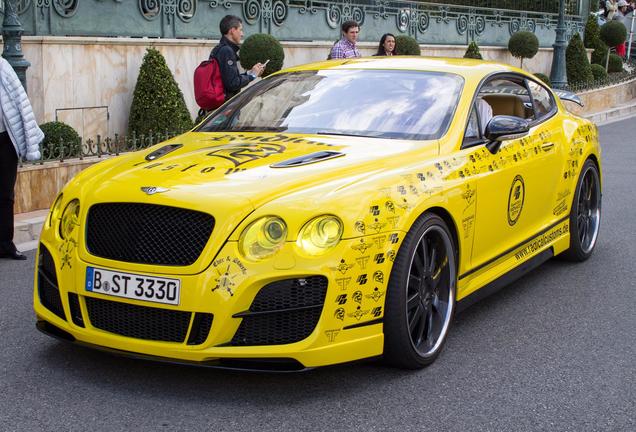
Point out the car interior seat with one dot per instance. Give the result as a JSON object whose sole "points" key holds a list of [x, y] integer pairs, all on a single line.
{"points": [[506, 105]]}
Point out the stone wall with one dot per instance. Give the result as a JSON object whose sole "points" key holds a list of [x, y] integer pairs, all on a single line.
{"points": [[89, 82]]}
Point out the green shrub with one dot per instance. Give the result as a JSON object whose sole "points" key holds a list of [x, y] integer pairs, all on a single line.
{"points": [[544, 78], [406, 45], [578, 66], [592, 32], [60, 140], [523, 44], [473, 51], [599, 54], [613, 33], [259, 48], [599, 72], [615, 64], [158, 105]]}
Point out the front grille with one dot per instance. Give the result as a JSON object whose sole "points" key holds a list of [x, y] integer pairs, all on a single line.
{"points": [[282, 312], [139, 322], [147, 233], [48, 290]]}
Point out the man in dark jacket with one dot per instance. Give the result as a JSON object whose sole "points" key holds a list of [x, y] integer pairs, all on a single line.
{"points": [[226, 53]]}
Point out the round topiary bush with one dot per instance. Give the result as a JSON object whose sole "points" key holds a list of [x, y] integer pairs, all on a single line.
{"points": [[523, 44], [473, 51], [613, 33], [259, 48], [615, 64], [578, 66], [599, 72], [544, 78], [406, 45], [60, 140], [158, 105]]}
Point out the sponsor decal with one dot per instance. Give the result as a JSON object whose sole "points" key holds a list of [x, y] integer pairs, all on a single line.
{"points": [[391, 255], [542, 240], [360, 227], [376, 295], [515, 200], [342, 267], [227, 270], [357, 297], [361, 247], [362, 279], [362, 261], [339, 314], [343, 283], [560, 208], [379, 241], [379, 258], [378, 276], [341, 299], [390, 206], [374, 210], [377, 311], [66, 249], [240, 154], [394, 238], [332, 334], [377, 226], [393, 221], [358, 314]]}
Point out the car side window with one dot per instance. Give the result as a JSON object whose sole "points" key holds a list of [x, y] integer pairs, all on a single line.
{"points": [[543, 102], [472, 130], [508, 97]]}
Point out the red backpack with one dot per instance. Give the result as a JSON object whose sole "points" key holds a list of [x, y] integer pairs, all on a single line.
{"points": [[208, 86]]}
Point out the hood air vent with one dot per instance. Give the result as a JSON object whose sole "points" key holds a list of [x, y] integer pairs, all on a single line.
{"points": [[162, 151], [308, 159]]}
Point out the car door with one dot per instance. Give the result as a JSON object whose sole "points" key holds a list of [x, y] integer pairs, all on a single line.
{"points": [[510, 184]]}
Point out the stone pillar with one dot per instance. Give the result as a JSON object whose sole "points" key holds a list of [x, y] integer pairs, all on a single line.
{"points": [[12, 39]]}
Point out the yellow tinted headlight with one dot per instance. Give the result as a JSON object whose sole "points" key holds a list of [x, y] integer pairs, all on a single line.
{"points": [[320, 234], [70, 219], [263, 238], [54, 214]]}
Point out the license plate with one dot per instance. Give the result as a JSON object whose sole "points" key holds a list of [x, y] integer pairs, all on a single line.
{"points": [[133, 286]]}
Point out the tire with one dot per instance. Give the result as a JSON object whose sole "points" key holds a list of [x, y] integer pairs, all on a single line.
{"points": [[585, 214], [421, 295]]}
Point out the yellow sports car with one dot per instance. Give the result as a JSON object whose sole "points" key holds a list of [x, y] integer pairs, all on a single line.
{"points": [[332, 212]]}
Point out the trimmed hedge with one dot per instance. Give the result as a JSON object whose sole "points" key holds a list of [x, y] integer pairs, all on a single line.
{"points": [[600, 53], [544, 78], [615, 64], [259, 48], [592, 32], [473, 51], [158, 105], [578, 66], [523, 44], [60, 140], [406, 45], [599, 72]]}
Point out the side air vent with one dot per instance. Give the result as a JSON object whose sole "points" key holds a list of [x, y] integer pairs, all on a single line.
{"points": [[308, 159]]}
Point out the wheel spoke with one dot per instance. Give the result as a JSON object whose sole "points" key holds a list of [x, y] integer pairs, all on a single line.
{"points": [[413, 301], [429, 324], [424, 254], [431, 263], [421, 327], [415, 318]]}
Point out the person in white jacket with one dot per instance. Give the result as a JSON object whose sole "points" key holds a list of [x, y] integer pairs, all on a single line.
{"points": [[20, 137]]}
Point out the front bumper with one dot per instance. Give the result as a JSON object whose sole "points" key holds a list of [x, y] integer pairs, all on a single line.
{"points": [[348, 326]]}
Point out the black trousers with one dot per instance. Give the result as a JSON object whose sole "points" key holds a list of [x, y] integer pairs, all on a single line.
{"points": [[8, 174]]}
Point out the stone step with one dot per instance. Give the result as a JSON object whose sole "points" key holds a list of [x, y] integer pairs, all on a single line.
{"points": [[27, 227]]}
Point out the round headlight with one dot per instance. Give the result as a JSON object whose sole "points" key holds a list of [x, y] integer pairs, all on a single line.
{"points": [[56, 208], [70, 219], [263, 238], [320, 234]]}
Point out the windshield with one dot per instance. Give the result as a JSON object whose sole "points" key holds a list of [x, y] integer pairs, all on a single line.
{"points": [[373, 103]]}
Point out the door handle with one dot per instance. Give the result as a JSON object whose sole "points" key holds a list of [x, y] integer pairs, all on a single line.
{"points": [[546, 147]]}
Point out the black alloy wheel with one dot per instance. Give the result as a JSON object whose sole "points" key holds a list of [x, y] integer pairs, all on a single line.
{"points": [[421, 295], [585, 215]]}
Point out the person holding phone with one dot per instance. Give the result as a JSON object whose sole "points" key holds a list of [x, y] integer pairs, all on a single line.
{"points": [[226, 54]]}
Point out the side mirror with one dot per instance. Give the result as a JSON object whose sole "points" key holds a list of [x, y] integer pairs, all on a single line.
{"points": [[503, 128]]}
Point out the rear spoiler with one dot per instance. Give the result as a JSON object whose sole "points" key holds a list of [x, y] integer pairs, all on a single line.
{"points": [[568, 96]]}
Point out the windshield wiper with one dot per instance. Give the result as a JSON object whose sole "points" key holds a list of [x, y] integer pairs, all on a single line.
{"points": [[355, 134]]}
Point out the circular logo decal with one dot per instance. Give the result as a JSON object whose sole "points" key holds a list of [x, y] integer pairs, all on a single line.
{"points": [[515, 200]]}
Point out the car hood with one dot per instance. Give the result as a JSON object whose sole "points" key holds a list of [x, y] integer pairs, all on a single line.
{"points": [[231, 175], [254, 168]]}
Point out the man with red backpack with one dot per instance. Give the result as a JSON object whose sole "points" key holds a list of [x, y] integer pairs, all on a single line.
{"points": [[219, 79], [226, 54]]}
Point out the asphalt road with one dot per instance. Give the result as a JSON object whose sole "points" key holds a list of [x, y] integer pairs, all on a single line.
{"points": [[556, 351]]}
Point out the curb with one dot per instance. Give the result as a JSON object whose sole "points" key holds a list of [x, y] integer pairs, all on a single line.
{"points": [[620, 112]]}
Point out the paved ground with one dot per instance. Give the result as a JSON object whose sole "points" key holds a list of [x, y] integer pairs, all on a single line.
{"points": [[554, 352]]}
